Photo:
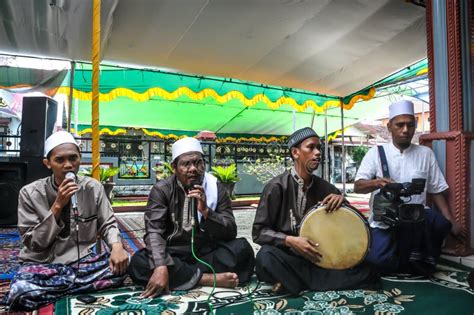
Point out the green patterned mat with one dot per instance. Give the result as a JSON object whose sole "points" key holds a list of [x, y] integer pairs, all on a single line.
{"points": [[445, 293]]}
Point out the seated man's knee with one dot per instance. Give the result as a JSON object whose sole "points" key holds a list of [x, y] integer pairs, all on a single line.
{"points": [[244, 246], [265, 256], [437, 221], [139, 268]]}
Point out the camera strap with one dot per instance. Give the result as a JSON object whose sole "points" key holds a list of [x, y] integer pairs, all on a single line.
{"points": [[383, 161]]}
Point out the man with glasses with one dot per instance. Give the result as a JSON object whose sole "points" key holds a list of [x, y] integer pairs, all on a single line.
{"points": [[190, 204], [408, 247]]}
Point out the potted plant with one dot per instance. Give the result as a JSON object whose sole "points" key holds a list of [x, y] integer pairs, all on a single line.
{"points": [[227, 175], [163, 171], [105, 175]]}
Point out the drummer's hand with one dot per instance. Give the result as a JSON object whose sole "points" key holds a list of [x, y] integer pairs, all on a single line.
{"points": [[305, 247], [333, 202]]}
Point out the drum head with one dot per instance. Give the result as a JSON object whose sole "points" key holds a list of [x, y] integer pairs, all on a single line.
{"points": [[343, 236]]}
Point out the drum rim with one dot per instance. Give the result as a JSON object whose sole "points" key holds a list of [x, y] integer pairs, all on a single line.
{"points": [[354, 210]]}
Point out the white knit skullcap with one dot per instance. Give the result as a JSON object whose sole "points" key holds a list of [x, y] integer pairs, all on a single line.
{"points": [[402, 107], [58, 138], [185, 145]]}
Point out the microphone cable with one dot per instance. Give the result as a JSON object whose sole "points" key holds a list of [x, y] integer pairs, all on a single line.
{"points": [[76, 219], [209, 303]]}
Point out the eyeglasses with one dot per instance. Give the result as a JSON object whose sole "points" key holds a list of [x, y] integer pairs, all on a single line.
{"points": [[187, 164]]}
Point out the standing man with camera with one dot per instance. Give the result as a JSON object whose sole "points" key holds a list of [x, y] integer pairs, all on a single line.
{"points": [[411, 247]]}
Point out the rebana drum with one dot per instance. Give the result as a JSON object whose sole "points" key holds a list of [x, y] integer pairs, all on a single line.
{"points": [[343, 236]]}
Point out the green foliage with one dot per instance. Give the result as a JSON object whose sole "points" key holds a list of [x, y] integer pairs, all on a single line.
{"points": [[267, 168], [226, 174], [105, 173], [163, 171], [358, 153]]}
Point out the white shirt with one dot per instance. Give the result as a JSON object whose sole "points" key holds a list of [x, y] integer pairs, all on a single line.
{"points": [[417, 161]]}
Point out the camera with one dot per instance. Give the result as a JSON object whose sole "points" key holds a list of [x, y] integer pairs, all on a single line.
{"points": [[390, 209]]}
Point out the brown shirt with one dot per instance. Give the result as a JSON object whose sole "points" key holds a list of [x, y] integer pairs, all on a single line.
{"points": [[47, 240], [279, 214], [164, 222]]}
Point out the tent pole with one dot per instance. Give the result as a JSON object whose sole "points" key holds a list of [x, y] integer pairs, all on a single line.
{"points": [[312, 119], [71, 87], [294, 120], [95, 88], [225, 124], [343, 149], [76, 117], [326, 147]]}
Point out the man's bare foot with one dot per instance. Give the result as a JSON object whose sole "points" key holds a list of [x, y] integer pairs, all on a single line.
{"points": [[224, 279], [277, 288]]}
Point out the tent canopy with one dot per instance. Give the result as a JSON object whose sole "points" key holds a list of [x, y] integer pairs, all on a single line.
{"points": [[171, 104], [327, 46], [324, 54]]}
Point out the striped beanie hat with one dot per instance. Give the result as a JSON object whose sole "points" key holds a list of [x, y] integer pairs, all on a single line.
{"points": [[301, 135]]}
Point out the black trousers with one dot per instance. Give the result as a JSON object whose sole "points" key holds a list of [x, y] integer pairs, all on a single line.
{"points": [[409, 248], [297, 274], [232, 256]]}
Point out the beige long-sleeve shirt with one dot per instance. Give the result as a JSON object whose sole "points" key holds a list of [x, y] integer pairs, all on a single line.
{"points": [[48, 240]]}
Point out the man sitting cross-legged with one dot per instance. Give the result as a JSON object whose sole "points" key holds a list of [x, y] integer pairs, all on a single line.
{"points": [[167, 261], [56, 233], [286, 259]]}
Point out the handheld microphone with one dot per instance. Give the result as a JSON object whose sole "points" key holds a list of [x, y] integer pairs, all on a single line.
{"points": [[192, 203], [71, 175]]}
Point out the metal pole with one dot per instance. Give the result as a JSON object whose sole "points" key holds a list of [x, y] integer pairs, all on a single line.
{"points": [[422, 117], [76, 117], [343, 149], [326, 146], [71, 88], [294, 120]]}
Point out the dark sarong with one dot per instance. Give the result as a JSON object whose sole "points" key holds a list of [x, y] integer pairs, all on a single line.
{"points": [[297, 274], [36, 285], [232, 256]]}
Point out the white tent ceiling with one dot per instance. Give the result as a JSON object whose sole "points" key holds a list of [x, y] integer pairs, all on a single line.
{"points": [[328, 46]]}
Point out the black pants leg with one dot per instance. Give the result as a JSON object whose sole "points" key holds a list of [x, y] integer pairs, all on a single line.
{"points": [[297, 274], [182, 275], [231, 256]]}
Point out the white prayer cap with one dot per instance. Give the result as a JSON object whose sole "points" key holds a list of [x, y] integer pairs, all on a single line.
{"points": [[185, 145], [402, 107], [58, 138]]}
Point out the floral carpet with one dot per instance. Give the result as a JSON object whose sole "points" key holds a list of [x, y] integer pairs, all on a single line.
{"points": [[10, 244], [445, 293]]}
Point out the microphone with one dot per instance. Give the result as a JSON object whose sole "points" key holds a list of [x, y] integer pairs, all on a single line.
{"points": [[71, 175], [192, 203]]}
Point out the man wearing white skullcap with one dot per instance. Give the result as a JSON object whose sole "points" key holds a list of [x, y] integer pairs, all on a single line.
{"points": [[53, 230], [398, 245], [190, 202]]}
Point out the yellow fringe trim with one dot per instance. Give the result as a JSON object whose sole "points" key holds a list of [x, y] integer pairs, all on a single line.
{"points": [[358, 97], [122, 131], [335, 134], [251, 139], [156, 91], [422, 71]]}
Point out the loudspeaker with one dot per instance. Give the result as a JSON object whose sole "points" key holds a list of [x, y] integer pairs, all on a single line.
{"points": [[12, 178], [37, 123], [35, 168]]}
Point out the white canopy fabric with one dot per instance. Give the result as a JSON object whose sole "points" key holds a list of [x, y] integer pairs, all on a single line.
{"points": [[334, 47]]}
